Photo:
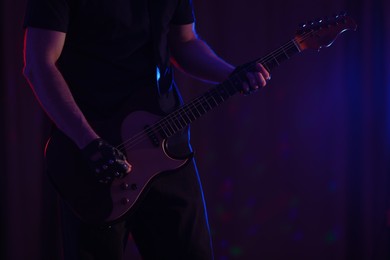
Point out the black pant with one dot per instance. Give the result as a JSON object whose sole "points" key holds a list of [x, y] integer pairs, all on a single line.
{"points": [[169, 223]]}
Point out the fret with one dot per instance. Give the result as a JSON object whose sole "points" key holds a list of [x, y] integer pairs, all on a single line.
{"points": [[285, 53], [185, 113], [270, 64], [161, 132], [172, 124], [182, 121], [200, 107], [168, 131], [215, 101], [176, 122], [214, 93], [171, 128], [204, 105], [296, 46], [281, 57], [266, 66], [292, 50], [195, 109], [208, 104], [275, 59], [191, 115], [222, 93]]}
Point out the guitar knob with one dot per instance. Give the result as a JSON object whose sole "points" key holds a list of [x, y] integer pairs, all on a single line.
{"points": [[124, 186], [124, 201], [134, 186]]}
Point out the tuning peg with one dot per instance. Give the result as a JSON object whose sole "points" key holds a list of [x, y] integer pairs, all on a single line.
{"points": [[327, 21], [302, 25], [316, 24], [342, 17], [343, 13], [301, 28]]}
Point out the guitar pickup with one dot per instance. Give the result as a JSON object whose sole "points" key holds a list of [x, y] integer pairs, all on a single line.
{"points": [[152, 136]]}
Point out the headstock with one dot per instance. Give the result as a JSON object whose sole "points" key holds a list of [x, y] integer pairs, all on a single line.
{"points": [[323, 32]]}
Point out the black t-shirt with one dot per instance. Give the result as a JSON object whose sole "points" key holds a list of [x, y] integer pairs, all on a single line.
{"points": [[112, 47]]}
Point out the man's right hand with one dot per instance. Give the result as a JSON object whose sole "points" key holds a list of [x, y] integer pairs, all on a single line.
{"points": [[106, 161]]}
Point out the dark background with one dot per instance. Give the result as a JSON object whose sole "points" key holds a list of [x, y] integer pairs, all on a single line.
{"points": [[299, 170]]}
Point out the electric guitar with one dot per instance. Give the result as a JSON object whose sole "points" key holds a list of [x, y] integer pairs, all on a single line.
{"points": [[143, 136]]}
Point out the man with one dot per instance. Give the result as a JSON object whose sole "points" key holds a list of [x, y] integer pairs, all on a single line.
{"points": [[86, 60]]}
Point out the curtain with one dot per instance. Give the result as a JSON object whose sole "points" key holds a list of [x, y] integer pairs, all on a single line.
{"points": [[297, 170]]}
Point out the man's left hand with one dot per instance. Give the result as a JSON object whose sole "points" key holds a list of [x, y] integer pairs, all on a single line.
{"points": [[255, 79]]}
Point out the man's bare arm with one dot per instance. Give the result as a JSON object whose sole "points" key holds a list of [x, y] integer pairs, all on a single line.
{"points": [[195, 57], [41, 52]]}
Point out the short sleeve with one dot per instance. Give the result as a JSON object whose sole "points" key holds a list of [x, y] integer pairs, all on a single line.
{"points": [[184, 13], [47, 14]]}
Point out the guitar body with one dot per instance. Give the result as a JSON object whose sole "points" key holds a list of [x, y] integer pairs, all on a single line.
{"points": [[99, 203]]}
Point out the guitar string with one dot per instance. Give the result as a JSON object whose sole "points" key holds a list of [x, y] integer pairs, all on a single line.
{"points": [[134, 140]]}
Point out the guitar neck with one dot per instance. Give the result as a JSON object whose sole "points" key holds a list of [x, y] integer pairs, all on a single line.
{"points": [[273, 59], [198, 107]]}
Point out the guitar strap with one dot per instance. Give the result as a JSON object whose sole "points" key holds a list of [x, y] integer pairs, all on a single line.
{"points": [[169, 97], [156, 10]]}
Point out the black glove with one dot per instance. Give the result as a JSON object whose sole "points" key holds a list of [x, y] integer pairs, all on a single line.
{"points": [[106, 161]]}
